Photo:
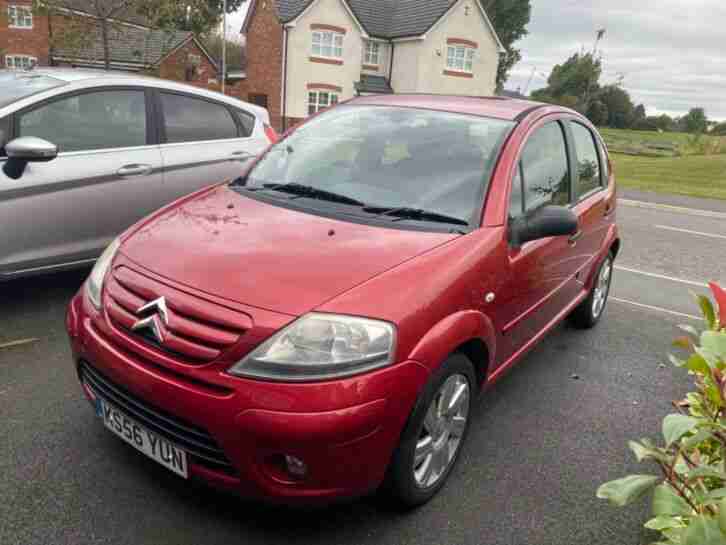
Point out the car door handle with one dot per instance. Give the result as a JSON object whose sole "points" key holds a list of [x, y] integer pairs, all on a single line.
{"points": [[572, 241], [134, 170], [242, 155]]}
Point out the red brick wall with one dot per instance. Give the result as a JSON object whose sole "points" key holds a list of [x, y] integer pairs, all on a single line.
{"points": [[34, 42], [174, 67], [264, 59]]}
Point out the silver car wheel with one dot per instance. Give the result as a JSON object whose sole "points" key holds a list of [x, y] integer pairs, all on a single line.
{"points": [[602, 288], [443, 430]]}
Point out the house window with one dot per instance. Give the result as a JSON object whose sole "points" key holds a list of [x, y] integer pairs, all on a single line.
{"points": [[20, 17], [319, 100], [460, 58], [327, 44], [20, 62], [372, 53]]}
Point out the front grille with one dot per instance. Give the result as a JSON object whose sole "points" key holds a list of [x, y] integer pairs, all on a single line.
{"points": [[198, 331], [195, 440]]}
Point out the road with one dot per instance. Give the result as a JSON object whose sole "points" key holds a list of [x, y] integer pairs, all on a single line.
{"points": [[541, 443]]}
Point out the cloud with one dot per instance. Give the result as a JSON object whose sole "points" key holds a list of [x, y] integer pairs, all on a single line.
{"points": [[669, 53]]}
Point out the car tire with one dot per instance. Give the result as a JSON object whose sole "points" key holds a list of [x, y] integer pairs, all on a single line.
{"points": [[589, 312], [414, 477]]}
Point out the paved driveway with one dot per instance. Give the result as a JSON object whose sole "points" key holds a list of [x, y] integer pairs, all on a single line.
{"points": [[542, 440]]}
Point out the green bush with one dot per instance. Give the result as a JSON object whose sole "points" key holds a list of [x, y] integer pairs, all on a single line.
{"points": [[689, 495]]}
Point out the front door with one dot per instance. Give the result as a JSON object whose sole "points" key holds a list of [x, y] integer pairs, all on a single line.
{"points": [[106, 177], [540, 278]]}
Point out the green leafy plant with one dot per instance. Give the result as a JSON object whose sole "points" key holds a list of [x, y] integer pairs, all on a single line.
{"points": [[689, 495]]}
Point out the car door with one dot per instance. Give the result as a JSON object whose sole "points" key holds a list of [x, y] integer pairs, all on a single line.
{"points": [[540, 275], [593, 206], [204, 142], [107, 175]]}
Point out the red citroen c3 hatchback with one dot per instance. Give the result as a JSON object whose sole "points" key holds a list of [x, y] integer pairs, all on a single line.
{"points": [[321, 326]]}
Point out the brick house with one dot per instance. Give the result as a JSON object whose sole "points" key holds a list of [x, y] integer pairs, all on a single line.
{"points": [[27, 39], [305, 55]]}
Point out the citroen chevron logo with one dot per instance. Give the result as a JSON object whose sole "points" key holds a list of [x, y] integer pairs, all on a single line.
{"points": [[154, 322]]}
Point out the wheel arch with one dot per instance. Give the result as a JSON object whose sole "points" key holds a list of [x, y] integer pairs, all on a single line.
{"points": [[470, 333]]}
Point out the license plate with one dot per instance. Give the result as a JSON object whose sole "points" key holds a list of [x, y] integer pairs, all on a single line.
{"points": [[155, 447]]}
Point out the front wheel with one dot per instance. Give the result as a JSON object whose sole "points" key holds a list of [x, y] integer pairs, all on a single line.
{"points": [[589, 312], [432, 440]]}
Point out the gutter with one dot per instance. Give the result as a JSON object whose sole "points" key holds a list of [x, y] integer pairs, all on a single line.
{"points": [[285, 40]]}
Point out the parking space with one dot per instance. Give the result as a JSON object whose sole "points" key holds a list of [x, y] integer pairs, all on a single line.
{"points": [[542, 440]]}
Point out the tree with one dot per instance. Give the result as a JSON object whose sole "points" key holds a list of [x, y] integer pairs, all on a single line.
{"points": [[198, 16], [510, 19], [235, 50], [77, 32], [598, 113], [619, 105], [577, 77], [639, 113], [719, 129], [695, 122]]}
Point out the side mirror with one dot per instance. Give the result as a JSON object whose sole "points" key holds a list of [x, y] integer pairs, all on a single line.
{"points": [[549, 221], [31, 150], [24, 150]]}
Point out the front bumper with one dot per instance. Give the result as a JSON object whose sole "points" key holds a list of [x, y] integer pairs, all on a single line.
{"points": [[345, 431]]}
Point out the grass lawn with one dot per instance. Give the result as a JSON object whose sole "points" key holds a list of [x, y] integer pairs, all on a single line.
{"points": [[666, 144], [695, 175]]}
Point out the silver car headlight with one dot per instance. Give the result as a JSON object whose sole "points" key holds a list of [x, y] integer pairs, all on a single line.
{"points": [[94, 284], [320, 347]]}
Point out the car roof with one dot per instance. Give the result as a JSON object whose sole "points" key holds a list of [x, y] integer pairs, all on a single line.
{"points": [[80, 78], [486, 106]]}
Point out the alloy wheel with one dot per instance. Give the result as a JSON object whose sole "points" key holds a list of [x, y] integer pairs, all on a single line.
{"points": [[443, 429], [602, 288]]}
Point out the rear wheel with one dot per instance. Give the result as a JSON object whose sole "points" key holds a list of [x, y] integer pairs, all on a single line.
{"points": [[432, 440], [589, 312]]}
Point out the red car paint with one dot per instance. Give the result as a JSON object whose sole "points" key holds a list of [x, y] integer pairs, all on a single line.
{"points": [[264, 266]]}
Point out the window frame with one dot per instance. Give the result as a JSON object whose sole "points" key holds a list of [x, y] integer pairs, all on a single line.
{"points": [[17, 9], [318, 107], [321, 44], [468, 58], [575, 183], [369, 55], [151, 121], [567, 138], [32, 61], [161, 121]]}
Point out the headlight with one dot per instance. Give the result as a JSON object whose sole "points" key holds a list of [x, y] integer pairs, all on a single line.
{"points": [[94, 284], [320, 347]]}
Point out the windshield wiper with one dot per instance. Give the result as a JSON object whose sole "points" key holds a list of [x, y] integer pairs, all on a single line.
{"points": [[406, 213], [301, 190]]}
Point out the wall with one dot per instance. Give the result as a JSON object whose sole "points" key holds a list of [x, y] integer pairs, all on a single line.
{"points": [[431, 65], [264, 59], [174, 67], [405, 75], [302, 71], [33, 42]]}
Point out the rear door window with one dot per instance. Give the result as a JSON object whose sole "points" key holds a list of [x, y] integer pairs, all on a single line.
{"points": [[90, 121], [189, 119], [247, 122], [545, 168], [588, 178]]}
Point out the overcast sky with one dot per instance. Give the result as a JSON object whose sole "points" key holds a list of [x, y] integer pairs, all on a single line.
{"points": [[670, 54]]}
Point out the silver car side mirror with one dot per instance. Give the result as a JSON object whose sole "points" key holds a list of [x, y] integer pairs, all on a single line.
{"points": [[31, 149]]}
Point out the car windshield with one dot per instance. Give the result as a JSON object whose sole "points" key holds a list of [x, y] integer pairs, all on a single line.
{"points": [[412, 164], [17, 85]]}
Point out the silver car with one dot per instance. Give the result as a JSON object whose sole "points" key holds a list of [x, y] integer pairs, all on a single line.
{"points": [[85, 154]]}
